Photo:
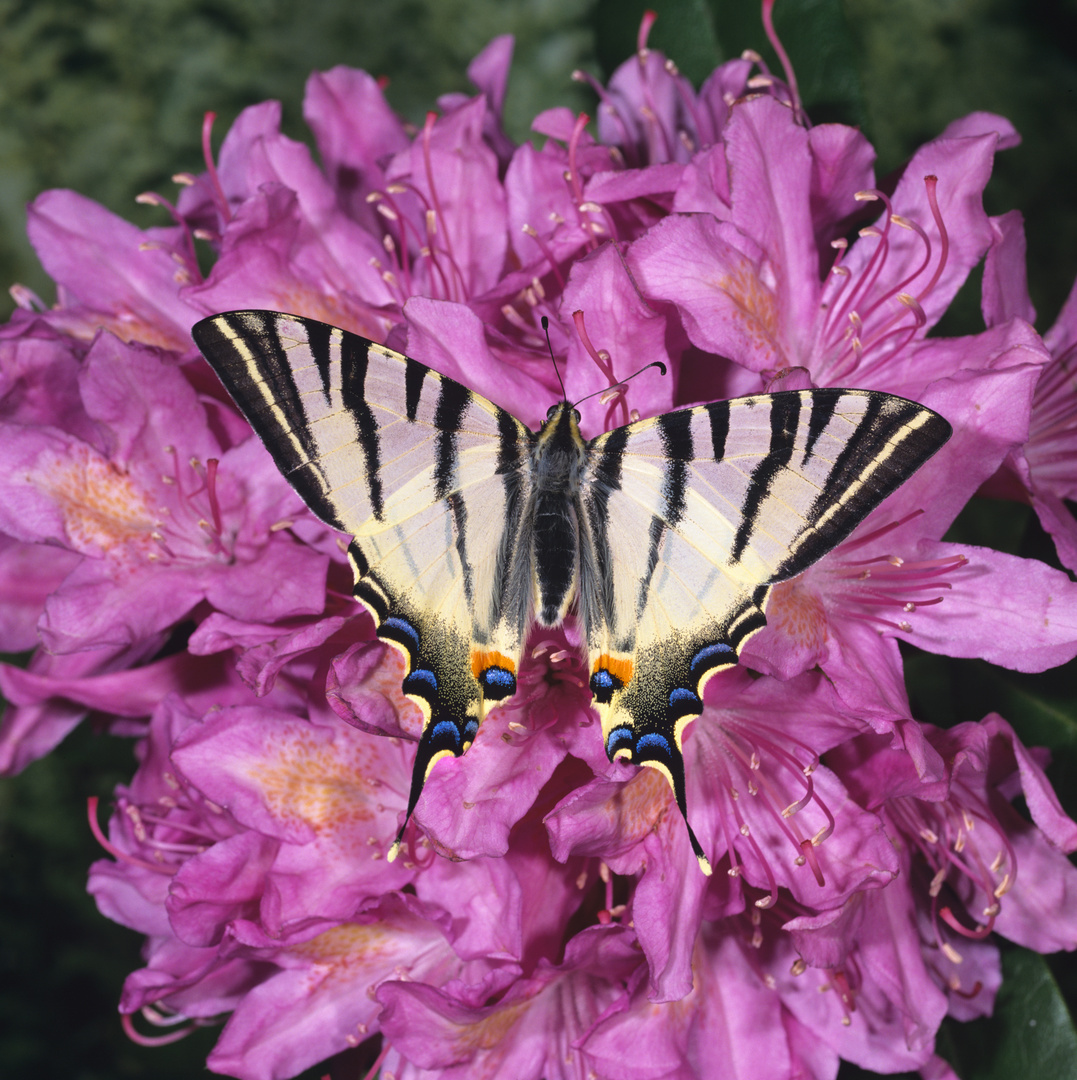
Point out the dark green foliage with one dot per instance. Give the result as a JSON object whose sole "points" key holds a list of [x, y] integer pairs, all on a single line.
{"points": [[107, 96], [1031, 1034]]}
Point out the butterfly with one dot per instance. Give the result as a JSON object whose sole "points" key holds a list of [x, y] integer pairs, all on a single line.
{"points": [[664, 536]]}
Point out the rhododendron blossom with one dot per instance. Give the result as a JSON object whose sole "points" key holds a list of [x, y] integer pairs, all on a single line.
{"points": [[547, 917]]}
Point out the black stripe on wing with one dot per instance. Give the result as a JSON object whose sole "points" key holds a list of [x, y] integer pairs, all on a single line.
{"points": [[354, 365], [893, 438], [718, 414], [510, 465], [257, 331], [318, 335], [458, 507], [509, 598], [414, 375], [448, 416], [823, 405], [606, 480], [675, 431], [246, 351], [784, 424]]}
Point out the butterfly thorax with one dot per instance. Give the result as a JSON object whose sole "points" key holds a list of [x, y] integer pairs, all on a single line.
{"points": [[558, 460]]}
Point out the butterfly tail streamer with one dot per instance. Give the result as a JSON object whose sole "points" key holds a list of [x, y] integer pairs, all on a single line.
{"points": [[442, 737], [653, 737], [451, 703], [670, 763]]}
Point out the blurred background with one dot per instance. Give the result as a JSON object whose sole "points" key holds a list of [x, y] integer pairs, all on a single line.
{"points": [[107, 97]]}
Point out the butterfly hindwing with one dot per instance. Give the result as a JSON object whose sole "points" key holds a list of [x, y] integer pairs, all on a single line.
{"points": [[429, 478], [730, 498]]}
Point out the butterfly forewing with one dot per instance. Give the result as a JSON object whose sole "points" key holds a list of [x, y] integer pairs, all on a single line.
{"points": [[692, 516]]}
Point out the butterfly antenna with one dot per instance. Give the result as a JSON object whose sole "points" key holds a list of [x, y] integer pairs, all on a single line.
{"points": [[546, 330], [605, 390]]}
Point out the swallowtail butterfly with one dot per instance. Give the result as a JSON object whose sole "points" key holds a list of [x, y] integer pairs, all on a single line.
{"points": [[664, 536]]}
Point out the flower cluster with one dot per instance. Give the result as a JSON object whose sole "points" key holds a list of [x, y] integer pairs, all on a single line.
{"points": [[548, 918]]}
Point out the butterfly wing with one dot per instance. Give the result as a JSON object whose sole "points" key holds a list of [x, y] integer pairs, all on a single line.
{"points": [[729, 498], [429, 478]]}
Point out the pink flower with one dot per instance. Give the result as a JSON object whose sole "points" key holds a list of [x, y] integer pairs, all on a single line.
{"points": [[136, 499], [530, 1033], [109, 274], [983, 867], [747, 280], [746, 285], [768, 814], [269, 874], [895, 576], [1041, 472]]}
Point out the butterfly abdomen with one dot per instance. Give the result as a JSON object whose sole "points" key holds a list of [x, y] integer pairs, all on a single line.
{"points": [[558, 461], [556, 556]]}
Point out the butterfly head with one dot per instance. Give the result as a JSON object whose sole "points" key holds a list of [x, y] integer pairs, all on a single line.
{"points": [[560, 407], [564, 406], [558, 452]]}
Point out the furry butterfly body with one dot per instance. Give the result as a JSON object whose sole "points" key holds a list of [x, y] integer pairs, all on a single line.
{"points": [[665, 536]]}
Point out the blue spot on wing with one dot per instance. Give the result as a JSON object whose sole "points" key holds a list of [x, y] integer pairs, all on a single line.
{"points": [[604, 680], [618, 738], [719, 651], [401, 626], [420, 679], [603, 684], [443, 729], [653, 739], [683, 694], [497, 683]]}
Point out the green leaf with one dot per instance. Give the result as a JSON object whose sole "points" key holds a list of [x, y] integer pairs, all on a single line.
{"points": [[1031, 1034], [926, 63], [849, 1071], [684, 31], [107, 96]]}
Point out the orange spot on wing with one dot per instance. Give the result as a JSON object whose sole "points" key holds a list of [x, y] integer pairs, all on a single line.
{"points": [[482, 659], [620, 667]]}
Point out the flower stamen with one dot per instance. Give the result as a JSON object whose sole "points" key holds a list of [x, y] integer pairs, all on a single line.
{"points": [[155, 1040], [783, 56], [224, 211]]}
